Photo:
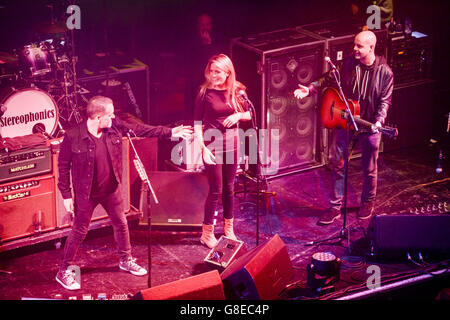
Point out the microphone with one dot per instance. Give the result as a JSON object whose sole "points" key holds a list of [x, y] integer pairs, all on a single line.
{"points": [[243, 95], [128, 131], [250, 104], [328, 60], [40, 128]]}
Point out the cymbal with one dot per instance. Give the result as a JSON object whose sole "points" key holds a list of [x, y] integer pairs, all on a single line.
{"points": [[6, 57], [52, 28]]}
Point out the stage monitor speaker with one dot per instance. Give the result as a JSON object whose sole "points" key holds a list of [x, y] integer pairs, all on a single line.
{"points": [[205, 286], [393, 236], [27, 207], [181, 197], [64, 219], [261, 273]]}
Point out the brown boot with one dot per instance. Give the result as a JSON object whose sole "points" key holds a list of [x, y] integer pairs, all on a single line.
{"points": [[208, 237], [228, 229]]}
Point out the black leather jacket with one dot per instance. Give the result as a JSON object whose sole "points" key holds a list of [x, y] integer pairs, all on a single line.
{"points": [[77, 155], [380, 94]]}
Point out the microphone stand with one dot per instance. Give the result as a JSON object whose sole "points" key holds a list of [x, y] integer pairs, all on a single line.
{"points": [[147, 188], [350, 120], [258, 165]]}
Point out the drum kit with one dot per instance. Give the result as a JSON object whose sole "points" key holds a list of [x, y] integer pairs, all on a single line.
{"points": [[38, 85]]}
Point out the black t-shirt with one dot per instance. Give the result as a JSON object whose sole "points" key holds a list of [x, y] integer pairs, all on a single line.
{"points": [[104, 181], [212, 109]]}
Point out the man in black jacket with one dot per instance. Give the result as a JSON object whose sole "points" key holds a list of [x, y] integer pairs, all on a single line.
{"points": [[91, 156], [368, 79]]}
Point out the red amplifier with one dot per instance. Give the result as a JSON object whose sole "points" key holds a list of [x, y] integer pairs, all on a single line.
{"points": [[27, 207]]}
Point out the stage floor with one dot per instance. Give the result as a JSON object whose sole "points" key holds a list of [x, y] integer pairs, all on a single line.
{"points": [[407, 183]]}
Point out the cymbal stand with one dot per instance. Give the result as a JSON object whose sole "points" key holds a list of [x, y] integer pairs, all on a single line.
{"points": [[70, 99], [67, 102]]}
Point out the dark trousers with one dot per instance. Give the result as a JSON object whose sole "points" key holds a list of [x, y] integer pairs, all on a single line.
{"points": [[370, 143], [113, 204], [221, 184]]}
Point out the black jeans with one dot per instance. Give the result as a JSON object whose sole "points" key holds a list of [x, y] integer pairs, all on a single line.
{"points": [[370, 144], [113, 204], [221, 184]]}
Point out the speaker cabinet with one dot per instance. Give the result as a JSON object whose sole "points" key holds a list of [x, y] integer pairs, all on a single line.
{"points": [[261, 273], [64, 219], [340, 37], [205, 286], [27, 207], [181, 197], [272, 65], [393, 236], [418, 101]]}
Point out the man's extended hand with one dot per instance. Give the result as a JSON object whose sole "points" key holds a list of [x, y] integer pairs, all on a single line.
{"points": [[301, 92], [183, 132]]}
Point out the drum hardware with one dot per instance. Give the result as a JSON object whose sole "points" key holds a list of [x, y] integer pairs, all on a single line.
{"points": [[35, 59]]}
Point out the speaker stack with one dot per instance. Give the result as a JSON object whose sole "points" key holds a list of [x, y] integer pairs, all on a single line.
{"points": [[272, 65]]}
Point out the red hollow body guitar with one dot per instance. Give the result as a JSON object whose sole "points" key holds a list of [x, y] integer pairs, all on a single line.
{"points": [[333, 113]]}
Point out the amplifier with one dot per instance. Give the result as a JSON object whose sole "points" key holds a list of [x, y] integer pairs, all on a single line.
{"points": [[410, 57], [25, 163], [27, 207]]}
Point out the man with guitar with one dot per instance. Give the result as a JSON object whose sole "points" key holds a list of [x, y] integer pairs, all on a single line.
{"points": [[368, 80]]}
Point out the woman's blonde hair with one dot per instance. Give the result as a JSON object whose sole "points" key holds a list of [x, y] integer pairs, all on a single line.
{"points": [[232, 86]]}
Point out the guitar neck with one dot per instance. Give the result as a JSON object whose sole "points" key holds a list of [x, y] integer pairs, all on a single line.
{"points": [[358, 120], [363, 122]]}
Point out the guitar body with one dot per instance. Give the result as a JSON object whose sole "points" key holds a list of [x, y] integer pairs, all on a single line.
{"points": [[332, 111]]}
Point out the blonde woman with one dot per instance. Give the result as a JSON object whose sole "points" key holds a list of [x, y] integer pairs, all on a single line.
{"points": [[218, 110]]}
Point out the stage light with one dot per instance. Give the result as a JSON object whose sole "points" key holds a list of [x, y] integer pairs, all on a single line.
{"points": [[323, 272]]}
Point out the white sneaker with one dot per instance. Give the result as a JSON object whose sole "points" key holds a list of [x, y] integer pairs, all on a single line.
{"points": [[67, 280], [132, 267]]}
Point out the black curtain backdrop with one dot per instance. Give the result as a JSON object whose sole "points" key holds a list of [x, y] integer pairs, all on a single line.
{"points": [[155, 29]]}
